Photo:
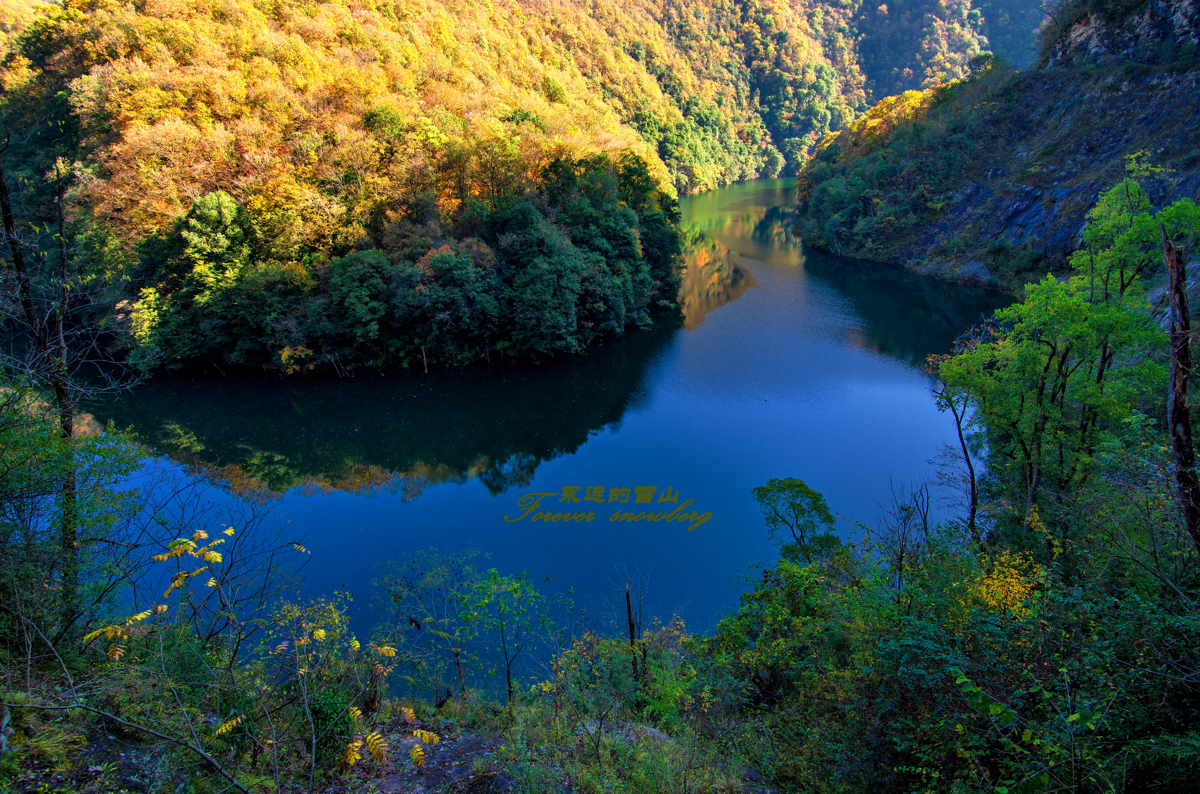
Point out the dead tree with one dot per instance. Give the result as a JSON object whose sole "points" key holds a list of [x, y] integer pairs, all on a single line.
{"points": [[1179, 417], [55, 346]]}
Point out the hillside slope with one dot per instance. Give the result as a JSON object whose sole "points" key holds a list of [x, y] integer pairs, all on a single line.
{"points": [[991, 179], [219, 161]]}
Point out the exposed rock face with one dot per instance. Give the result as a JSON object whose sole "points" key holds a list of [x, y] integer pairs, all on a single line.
{"points": [[1011, 167], [1157, 31], [1072, 133]]}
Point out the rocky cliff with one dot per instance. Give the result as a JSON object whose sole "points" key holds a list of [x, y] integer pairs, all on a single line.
{"points": [[991, 180], [1134, 31], [1072, 134]]}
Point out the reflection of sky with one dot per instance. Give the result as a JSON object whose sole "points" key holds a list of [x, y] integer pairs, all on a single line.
{"points": [[781, 382]]}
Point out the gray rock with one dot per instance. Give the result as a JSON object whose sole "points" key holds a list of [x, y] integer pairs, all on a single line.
{"points": [[975, 271]]}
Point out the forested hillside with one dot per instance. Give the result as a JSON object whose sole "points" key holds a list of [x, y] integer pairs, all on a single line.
{"points": [[990, 179], [303, 184]]}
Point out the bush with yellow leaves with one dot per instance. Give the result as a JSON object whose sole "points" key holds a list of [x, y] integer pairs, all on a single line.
{"points": [[1006, 583], [244, 687]]}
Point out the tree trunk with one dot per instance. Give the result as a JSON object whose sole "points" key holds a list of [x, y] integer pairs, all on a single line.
{"points": [[504, 646], [947, 398], [632, 631], [68, 534], [973, 494], [1179, 417], [16, 251], [50, 369], [462, 679]]}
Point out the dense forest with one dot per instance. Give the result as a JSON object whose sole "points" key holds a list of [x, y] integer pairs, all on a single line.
{"points": [[302, 185]]}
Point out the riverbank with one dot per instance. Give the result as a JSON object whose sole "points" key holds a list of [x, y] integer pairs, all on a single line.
{"points": [[989, 181], [1005, 643]]}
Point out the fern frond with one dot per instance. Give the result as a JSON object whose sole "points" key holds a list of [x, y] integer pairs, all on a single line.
{"points": [[376, 745], [427, 737], [417, 754], [229, 726]]}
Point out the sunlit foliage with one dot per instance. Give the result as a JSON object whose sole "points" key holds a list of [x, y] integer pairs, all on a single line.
{"points": [[270, 182]]}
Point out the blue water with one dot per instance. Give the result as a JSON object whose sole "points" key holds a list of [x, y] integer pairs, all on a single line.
{"points": [[787, 364]]}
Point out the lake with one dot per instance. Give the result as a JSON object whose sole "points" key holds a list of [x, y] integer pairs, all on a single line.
{"points": [[786, 362]]}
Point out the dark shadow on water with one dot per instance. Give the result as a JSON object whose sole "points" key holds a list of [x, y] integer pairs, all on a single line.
{"points": [[904, 316], [402, 432], [396, 432]]}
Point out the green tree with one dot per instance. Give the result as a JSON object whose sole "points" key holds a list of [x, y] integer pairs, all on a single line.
{"points": [[385, 122], [1047, 380], [1059, 370], [790, 504], [215, 233], [511, 610], [1123, 239], [358, 293], [188, 308]]}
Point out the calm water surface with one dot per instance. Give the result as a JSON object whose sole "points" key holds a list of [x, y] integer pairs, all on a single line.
{"points": [[786, 363]]}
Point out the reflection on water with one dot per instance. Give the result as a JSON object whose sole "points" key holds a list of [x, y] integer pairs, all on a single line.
{"points": [[402, 432], [903, 316], [715, 232], [711, 278], [783, 363], [397, 433]]}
